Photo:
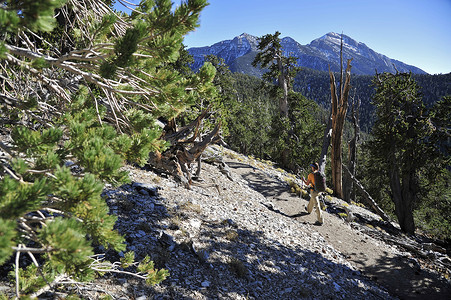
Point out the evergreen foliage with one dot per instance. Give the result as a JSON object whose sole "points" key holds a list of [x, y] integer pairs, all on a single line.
{"points": [[402, 145], [255, 126], [270, 56], [433, 213], [80, 95], [251, 110], [300, 134], [281, 69]]}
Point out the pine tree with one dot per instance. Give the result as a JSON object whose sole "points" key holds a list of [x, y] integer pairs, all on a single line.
{"points": [[400, 144], [281, 68], [281, 71], [80, 95]]}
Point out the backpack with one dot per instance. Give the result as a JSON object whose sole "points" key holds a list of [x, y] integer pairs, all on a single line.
{"points": [[320, 181]]}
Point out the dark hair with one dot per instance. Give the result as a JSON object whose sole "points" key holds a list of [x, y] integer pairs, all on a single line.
{"points": [[314, 165]]}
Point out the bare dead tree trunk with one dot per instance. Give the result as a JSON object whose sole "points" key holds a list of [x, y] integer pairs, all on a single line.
{"points": [[339, 109], [352, 154], [184, 149], [326, 144], [283, 103]]}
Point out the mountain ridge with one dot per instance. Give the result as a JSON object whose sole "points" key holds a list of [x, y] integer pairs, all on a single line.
{"points": [[319, 54]]}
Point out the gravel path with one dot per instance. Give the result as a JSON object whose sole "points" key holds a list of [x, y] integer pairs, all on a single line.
{"points": [[396, 270]]}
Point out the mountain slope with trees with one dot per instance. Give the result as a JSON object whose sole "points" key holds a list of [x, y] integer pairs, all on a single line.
{"points": [[314, 85], [87, 92], [440, 149], [312, 79]]}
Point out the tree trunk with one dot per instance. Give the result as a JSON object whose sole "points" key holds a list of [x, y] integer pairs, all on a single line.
{"points": [[326, 144], [283, 105], [406, 220], [352, 154], [339, 108], [184, 149], [403, 196], [338, 112], [282, 81]]}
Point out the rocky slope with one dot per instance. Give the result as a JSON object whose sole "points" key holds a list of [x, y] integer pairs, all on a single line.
{"points": [[239, 233], [321, 53], [220, 240]]}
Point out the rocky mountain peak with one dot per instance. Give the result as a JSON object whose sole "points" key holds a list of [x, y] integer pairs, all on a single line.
{"points": [[335, 38], [330, 36], [332, 42], [245, 42], [250, 38], [288, 39], [318, 54]]}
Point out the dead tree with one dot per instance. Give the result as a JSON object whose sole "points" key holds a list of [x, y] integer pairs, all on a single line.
{"points": [[338, 109], [326, 144], [352, 150], [187, 145]]}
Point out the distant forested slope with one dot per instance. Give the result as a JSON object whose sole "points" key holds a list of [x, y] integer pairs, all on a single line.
{"points": [[314, 85]]}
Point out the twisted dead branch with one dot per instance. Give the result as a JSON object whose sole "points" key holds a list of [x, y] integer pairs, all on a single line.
{"points": [[187, 144]]}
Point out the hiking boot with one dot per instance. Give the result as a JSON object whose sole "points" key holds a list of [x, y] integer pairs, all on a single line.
{"points": [[318, 223]]}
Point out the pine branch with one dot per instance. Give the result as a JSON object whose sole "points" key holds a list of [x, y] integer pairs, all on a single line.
{"points": [[67, 99], [12, 174], [22, 248], [16, 271], [50, 286]]}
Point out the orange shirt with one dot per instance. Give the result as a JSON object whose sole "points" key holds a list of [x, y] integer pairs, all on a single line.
{"points": [[311, 179]]}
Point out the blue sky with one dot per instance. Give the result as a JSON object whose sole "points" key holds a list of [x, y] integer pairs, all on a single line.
{"points": [[416, 32]]}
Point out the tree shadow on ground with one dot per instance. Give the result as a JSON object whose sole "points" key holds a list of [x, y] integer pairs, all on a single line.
{"points": [[412, 282], [270, 187]]}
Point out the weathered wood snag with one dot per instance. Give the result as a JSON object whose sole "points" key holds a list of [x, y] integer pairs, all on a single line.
{"points": [[352, 151], [187, 145], [339, 109], [366, 196]]}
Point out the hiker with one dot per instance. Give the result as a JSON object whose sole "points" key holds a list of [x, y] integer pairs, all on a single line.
{"points": [[314, 192]]}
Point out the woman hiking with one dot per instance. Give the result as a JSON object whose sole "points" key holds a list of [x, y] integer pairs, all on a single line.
{"points": [[314, 192]]}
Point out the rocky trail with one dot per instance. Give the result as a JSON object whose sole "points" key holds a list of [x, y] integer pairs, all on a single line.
{"points": [[239, 233], [363, 246]]}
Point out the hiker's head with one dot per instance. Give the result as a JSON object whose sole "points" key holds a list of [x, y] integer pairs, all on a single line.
{"points": [[314, 166]]}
